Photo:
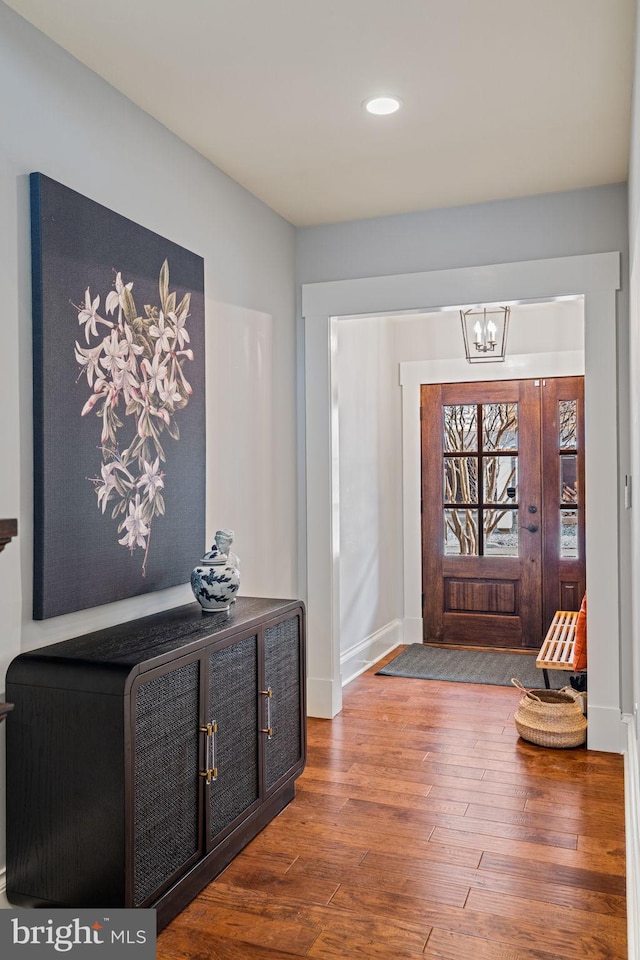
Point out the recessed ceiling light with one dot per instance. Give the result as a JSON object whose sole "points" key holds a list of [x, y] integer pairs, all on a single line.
{"points": [[382, 105]]}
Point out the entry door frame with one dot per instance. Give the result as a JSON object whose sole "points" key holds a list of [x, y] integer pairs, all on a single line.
{"points": [[413, 373], [597, 278]]}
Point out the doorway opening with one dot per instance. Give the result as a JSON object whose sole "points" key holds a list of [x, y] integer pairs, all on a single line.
{"points": [[376, 516], [503, 509], [596, 278]]}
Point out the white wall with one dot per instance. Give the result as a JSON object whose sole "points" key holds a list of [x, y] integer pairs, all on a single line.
{"points": [[58, 117], [370, 484], [502, 231], [533, 328]]}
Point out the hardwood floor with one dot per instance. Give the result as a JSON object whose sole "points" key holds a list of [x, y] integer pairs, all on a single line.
{"points": [[423, 827]]}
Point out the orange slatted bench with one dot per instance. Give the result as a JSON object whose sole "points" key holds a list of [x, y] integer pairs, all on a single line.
{"points": [[558, 651]]}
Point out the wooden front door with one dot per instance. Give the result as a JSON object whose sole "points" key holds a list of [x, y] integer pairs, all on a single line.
{"points": [[502, 509]]}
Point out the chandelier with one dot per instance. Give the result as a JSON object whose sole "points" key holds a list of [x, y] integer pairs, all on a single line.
{"points": [[485, 334]]}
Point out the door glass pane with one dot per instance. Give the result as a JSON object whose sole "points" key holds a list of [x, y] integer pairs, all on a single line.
{"points": [[568, 424], [500, 479], [569, 478], [461, 533], [461, 480], [500, 426], [501, 533], [568, 533], [460, 427]]}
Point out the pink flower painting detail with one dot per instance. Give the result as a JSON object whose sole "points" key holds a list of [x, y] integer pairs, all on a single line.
{"points": [[134, 368]]}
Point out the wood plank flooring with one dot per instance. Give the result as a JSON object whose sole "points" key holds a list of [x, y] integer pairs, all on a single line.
{"points": [[423, 827]]}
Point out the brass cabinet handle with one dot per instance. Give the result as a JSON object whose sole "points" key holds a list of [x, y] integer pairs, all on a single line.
{"points": [[268, 693], [210, 772]]}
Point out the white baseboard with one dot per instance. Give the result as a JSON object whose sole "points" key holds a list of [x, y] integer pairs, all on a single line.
{"points": [[412, 629], [632, 825], [365, 653], [324, 698], [606, 731]]}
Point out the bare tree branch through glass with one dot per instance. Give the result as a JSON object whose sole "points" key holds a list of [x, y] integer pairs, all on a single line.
{"points": [[462, 483]]}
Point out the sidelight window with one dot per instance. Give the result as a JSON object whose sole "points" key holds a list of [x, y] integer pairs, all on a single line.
{"points": [[569, 492]]}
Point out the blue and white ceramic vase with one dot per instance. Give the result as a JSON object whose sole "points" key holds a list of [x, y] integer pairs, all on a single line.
{"points": [[215, 580]]}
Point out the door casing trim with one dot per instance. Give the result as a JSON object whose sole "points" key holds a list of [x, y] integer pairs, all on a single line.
{"points": [[413, 373], [594, 276]]}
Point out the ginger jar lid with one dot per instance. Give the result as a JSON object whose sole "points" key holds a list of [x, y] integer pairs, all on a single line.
{"points": [[214, 557]]}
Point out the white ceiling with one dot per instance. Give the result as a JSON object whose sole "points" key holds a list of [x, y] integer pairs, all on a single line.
{"points": [[502, 98]]}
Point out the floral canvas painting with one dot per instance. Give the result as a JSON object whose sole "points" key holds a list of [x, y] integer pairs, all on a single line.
{"points": [[119, 412]]}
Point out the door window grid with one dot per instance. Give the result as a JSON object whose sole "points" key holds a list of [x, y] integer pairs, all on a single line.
{"points": [[480, 472]]}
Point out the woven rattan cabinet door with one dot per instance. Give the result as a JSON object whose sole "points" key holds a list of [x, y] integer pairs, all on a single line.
{"points": [[167, 816], [233, 713], [282, 710]]}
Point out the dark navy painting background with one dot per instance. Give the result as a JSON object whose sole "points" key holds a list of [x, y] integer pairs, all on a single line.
{"points": [[78, 562]]}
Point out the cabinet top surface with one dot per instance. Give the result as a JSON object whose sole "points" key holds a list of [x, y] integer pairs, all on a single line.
{"points": [[170, 633]]}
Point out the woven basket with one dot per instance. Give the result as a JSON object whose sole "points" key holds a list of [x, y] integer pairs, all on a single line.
{"points": [[550, 718]]}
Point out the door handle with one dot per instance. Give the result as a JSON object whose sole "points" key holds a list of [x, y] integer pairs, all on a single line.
{"points": [[531, 527]]}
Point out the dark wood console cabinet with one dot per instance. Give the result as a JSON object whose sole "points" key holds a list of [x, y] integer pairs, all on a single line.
{"points": [[143, 757]]}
